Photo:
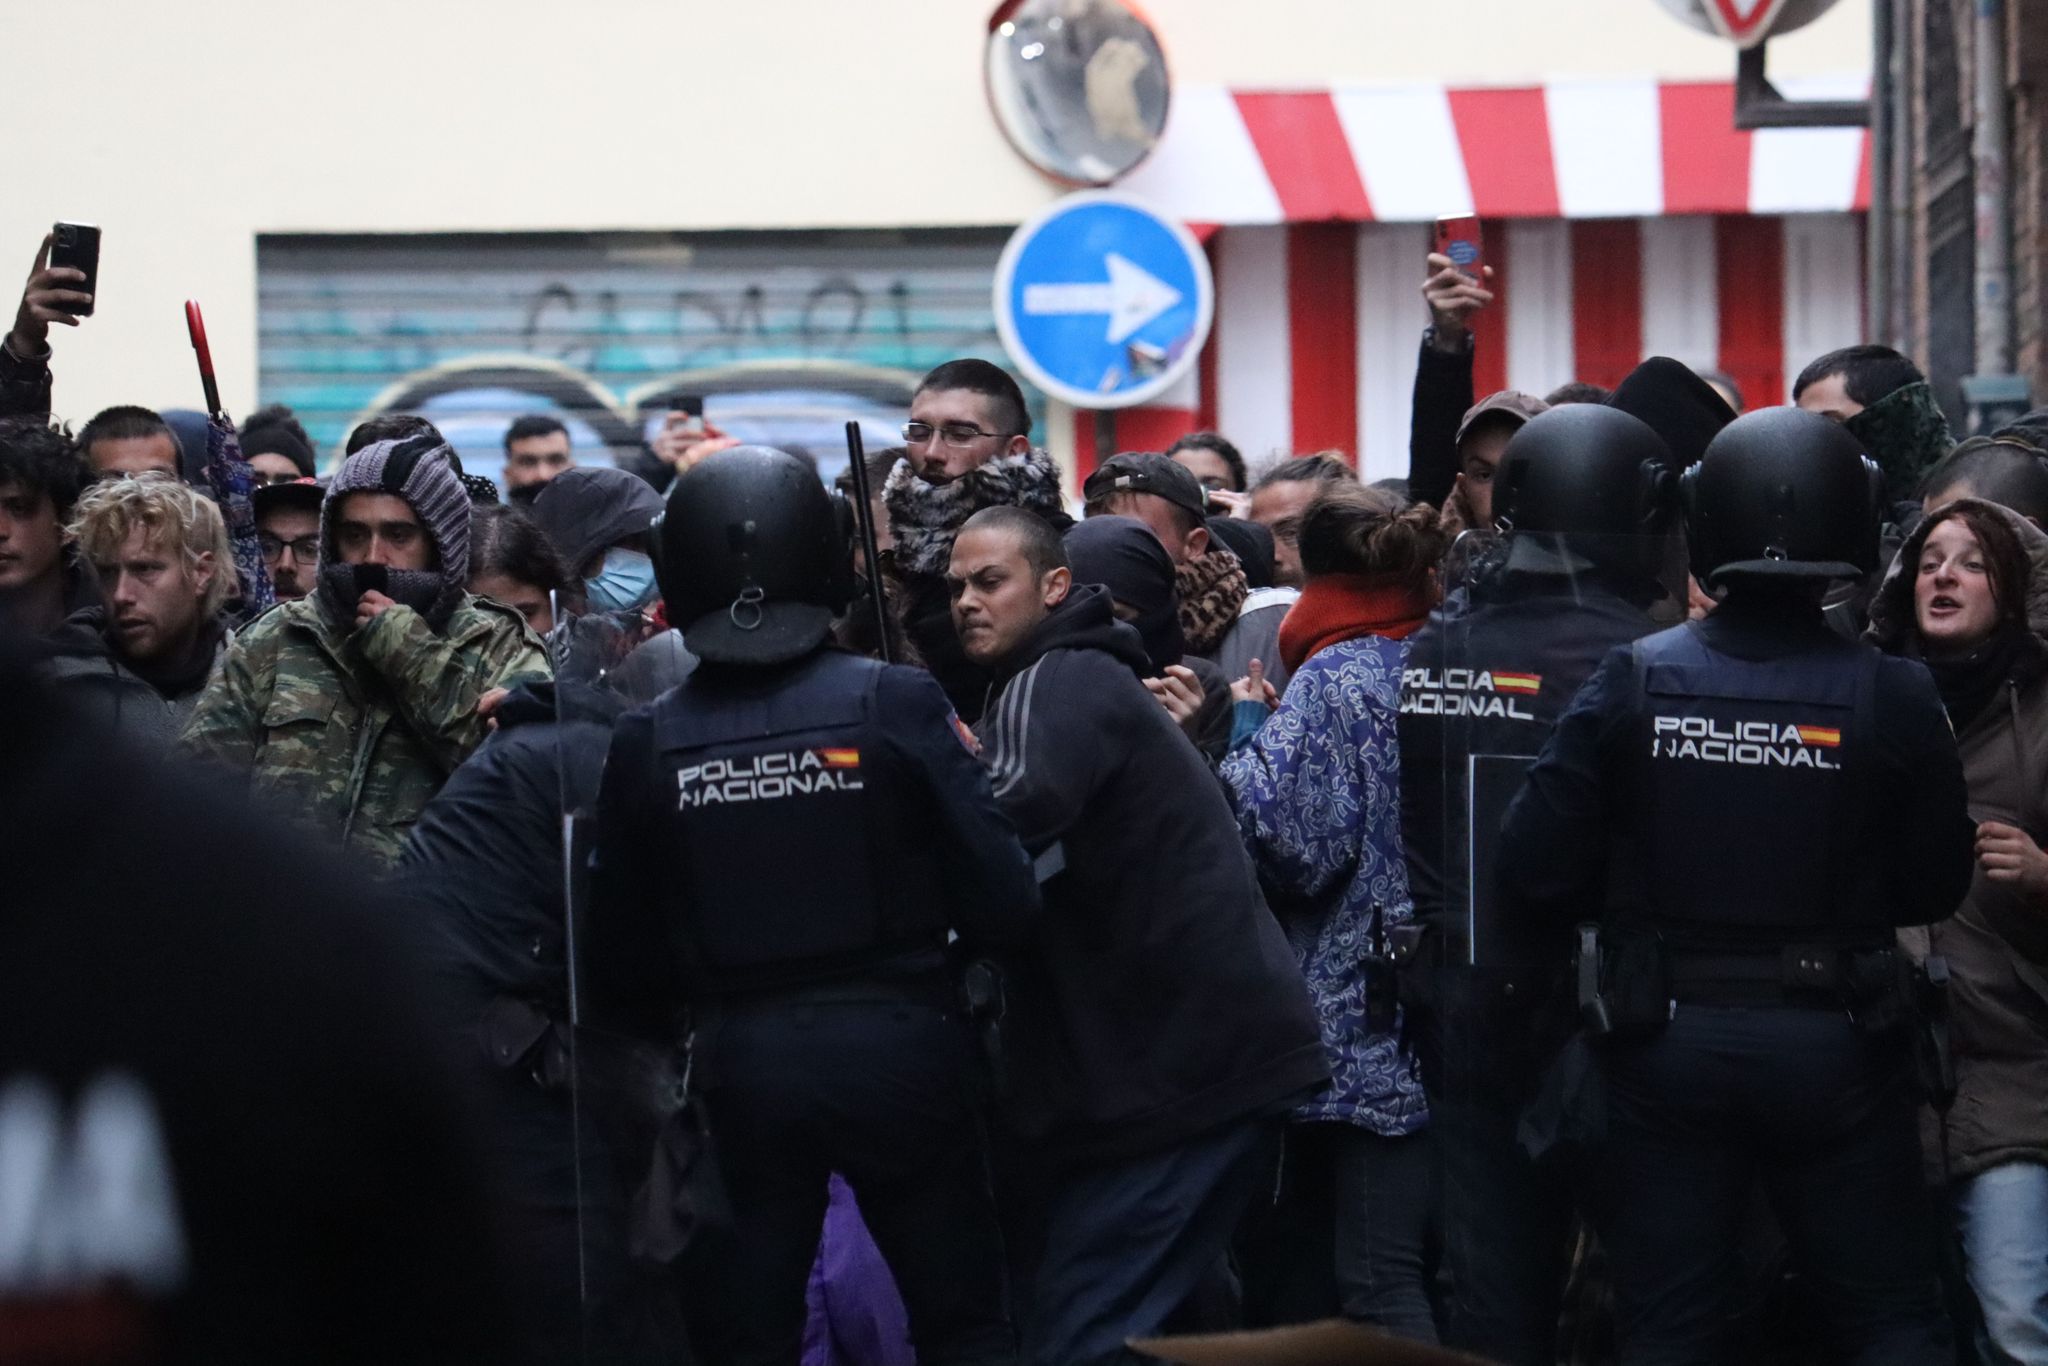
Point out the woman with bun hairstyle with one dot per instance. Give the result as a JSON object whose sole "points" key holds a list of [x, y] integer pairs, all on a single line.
{"points": [[1317, 795]]}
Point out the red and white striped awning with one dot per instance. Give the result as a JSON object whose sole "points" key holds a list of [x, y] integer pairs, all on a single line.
{"points": [[1317, 324], [1565, 149]]}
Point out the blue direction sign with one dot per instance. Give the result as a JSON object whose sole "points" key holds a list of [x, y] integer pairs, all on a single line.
{"points": [[1101, 302]]}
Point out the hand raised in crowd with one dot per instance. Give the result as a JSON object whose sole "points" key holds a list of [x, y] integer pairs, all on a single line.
{"points": [[2008, 854], [682, 449], [1255, 687], [1230, 502], [370, 605], [1453, 297], [1179, 691], [47, 298]]}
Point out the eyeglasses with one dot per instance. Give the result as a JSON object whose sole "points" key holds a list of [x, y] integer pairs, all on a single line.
{"points": [[959, 435], [305, 549], [264, 481]]}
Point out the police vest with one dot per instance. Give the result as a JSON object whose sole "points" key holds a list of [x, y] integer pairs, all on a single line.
{"points": [[790, 849], [1748, 789], [1483, 685]]}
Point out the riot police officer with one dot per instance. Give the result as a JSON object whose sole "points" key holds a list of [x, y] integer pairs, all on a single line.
{"points": [[1750, 805], [784, 842], [1584, 493]]}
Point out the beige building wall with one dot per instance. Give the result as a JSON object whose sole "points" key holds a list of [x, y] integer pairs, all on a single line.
{"points": [[187, 127]]}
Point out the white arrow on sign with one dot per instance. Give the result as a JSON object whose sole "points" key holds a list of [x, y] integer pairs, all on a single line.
{"points": [[1132, 297]]}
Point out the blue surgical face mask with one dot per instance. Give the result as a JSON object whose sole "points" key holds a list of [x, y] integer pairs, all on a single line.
{"points": [[624, 582]]}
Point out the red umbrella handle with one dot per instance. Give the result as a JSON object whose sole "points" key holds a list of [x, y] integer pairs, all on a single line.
{"points": [[196, 326]]}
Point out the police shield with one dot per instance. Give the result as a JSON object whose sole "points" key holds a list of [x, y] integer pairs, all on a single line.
{"points": [[636, 1156]]}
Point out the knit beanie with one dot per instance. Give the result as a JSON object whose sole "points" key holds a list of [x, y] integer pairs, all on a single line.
{"points": [[419, 470], [274, 438]]}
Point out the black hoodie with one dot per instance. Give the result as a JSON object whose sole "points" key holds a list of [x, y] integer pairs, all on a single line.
{"points": [[1160, 999]]}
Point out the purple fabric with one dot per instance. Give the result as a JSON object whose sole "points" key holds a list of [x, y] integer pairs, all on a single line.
{"points": [[231, 480], [856, 1317]]}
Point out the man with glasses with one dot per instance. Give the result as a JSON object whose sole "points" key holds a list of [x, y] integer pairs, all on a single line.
{"points": [[288, 530], [967, 447]]}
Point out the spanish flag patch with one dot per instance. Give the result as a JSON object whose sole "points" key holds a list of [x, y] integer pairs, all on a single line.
{"points": [[1820, 735], [1521, 683], [839, 758]]}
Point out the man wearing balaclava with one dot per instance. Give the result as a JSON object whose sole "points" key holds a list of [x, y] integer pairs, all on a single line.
{"points": [[350, 707]]}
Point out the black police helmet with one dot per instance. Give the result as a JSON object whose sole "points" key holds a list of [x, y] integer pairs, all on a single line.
{"points": [[754, 560], [1584, 486], [1782, 494]]}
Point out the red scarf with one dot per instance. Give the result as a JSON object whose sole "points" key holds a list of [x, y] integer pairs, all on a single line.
{"points": [[1339, 607]]}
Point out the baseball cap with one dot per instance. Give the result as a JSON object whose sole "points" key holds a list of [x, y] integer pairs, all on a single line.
{"points": [[1147, 472], [1511, 404]]}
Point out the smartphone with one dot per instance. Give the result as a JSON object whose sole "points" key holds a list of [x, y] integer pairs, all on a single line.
{"points": [[77, 245], [1457, 236], [691, 406]]}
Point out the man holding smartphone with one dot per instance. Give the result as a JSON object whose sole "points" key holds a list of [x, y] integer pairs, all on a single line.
{"points": [[52, 295], [1443, 375]]}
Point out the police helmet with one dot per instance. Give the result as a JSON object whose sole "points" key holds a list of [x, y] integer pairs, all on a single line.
{"points": [[1786, 494], [754, 558], [1584, 487]]}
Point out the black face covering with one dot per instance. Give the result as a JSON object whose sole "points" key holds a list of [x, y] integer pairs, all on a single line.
{"points": [[1124, 557], [342, 586], [1968, 683]]}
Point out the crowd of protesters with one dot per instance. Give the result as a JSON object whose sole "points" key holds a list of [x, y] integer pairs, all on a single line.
{"points": [[1200, 701]]}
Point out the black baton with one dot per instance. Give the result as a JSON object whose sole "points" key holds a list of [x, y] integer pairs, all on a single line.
{"points": [[864, 518]]}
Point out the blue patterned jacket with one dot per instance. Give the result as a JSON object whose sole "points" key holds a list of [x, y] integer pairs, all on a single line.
{"points": [[1318, 800]]}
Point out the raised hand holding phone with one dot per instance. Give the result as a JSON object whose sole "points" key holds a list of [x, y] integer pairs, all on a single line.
{"points": [[1459, 241], [53, 294], [1458, 276], [686, 438]]}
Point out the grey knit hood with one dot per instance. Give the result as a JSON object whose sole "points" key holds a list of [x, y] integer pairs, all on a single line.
{"points": [[420, 470]]}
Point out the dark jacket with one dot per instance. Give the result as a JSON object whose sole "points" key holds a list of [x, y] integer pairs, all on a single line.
{"points": [[232, 1021], [1584, 821], [1159, 998], [1454, 705], [1488, 1000], [24, 383], [483, 873], [1443, 393], [485, 856], [175, 683], [77, 663], [1996, 944], [769, 830]]}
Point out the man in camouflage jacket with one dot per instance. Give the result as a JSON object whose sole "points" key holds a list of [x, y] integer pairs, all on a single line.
{"points": [[352, 705]]}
